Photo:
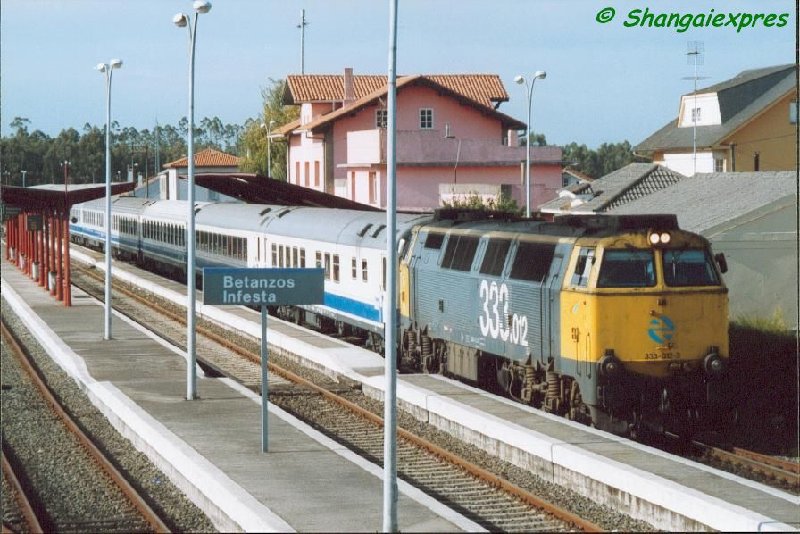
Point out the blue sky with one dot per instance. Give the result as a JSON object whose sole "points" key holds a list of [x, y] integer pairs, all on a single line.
{"points": [[605, 82]]}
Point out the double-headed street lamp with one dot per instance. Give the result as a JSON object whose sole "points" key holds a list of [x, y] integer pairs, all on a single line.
{"points": [[107, 69], [539, 74], [182, 20]]}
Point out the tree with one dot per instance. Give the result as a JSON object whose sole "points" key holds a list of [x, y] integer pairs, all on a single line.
{"points": [[597, 163], [253, 148]]}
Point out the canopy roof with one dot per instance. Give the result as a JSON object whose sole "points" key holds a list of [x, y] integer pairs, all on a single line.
{"points": [[56, 197]]}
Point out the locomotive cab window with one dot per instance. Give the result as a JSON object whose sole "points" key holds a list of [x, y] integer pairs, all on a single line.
{"points": [[627, 268], [459, 252], [532, 261], [583, 267], [434, 240], [495, 256], [693, 267]]}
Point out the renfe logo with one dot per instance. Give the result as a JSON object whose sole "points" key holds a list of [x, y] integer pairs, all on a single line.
{"points": [[661, 329]]}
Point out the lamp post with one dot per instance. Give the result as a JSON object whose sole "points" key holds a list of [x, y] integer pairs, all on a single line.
{"points": [[269, 147], [181, 20], [539, 74], [107, 69]]}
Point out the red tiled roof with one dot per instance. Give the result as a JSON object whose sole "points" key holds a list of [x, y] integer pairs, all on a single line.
{"points": [[485, 89], [508, 122], [206, 158]]}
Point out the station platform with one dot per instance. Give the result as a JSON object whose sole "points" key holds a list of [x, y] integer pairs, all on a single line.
{"points": [[668, 492], [211, 447]]}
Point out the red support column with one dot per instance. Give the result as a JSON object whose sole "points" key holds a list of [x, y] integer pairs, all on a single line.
{"points": [[42, 262], [67, 279], [6, 228], [54, 252], [21, 241], [59, 259]]}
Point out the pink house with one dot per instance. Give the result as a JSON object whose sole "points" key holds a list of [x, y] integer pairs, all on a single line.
{"points": [[451, 140]]}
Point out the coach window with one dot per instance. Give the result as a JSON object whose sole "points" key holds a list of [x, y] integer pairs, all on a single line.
{"points": [[295, 257], [532, 261], [364, 271], [353, 268], [274, 255], [335, 267], [580, 277], [302, 258], [327, 266], [495, 256], [318, 262]]}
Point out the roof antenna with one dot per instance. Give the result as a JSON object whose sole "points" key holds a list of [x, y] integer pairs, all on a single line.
{"points": [[302, 27], [694, 55]]}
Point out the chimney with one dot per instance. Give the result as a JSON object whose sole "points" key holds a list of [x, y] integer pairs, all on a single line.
{"points": [[349, 89]]}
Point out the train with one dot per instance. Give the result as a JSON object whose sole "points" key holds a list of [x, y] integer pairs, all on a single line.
{"points": [[612, 321]]}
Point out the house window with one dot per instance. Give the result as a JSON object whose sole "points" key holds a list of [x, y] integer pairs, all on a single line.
{"points": [[696, 115], [719, 165], [756, 161], [297, 173], [373, 187], [426, 119], [381, 118], [793, 112], [306, 172], [316, 174]]}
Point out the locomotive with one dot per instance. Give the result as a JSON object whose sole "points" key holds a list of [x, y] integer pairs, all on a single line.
{"points": [[612, 321]]}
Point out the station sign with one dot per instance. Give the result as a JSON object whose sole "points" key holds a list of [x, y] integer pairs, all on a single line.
{"points": [[9, 211], [262, 287], [35, 223]]}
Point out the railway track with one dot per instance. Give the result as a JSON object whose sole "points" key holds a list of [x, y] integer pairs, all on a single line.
{"points": [[782, 472], [66, 483], [338, 409]]}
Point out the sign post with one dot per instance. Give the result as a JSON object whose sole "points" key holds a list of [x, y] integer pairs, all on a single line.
{"points": [[263, 287]]}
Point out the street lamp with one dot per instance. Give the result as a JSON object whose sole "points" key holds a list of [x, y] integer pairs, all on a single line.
{"points": [[269, 147], [539, 74], [107, 69], [181, 20]]}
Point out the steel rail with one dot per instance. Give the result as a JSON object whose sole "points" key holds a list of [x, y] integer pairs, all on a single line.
{"points": [[476, 471], [144, 509], [768, 466], [23, 500]]}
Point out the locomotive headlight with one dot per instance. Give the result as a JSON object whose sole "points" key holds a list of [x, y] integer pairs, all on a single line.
{"points": [[713, 364], [610, 365], [654, 238], [665, 237]]}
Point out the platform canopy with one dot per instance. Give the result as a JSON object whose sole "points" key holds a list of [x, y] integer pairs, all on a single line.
{"points": [[256, 189], [54, 196]]}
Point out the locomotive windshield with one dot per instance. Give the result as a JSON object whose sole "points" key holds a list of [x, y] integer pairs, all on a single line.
{"points": [[692, 267], [627, 268]]}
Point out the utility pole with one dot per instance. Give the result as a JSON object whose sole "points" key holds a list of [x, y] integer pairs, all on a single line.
{"points": [[302, 27]]}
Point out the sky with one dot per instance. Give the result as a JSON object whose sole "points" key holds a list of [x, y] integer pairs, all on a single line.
{"points": [[606, 82]]}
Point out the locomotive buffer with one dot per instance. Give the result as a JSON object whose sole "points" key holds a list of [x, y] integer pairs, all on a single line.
{"points": [[263, 287]]}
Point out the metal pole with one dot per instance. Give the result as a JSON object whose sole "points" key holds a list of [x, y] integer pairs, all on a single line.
{"points": [[528, 156], [390, 301], [264, 383], [107, 304], [191, 376]]}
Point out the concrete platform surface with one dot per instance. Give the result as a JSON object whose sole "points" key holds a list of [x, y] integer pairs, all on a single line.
{"points": [[211, 447]]}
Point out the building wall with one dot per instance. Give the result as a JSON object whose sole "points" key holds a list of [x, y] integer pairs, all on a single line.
{"points": [[683, 162], [772, 136], [762, 265]]}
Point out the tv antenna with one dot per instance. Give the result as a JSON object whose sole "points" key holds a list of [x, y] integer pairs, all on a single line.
{"points": [[302, 27], [694, 56]]}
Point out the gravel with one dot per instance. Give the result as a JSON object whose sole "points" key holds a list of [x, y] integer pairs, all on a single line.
{"points": [[37, 441]]}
